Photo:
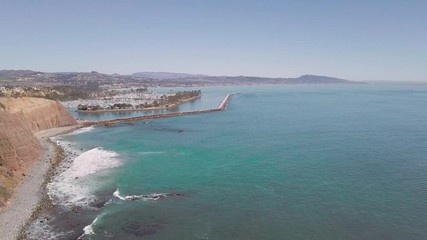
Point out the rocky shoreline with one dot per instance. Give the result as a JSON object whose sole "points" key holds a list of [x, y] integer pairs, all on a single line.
{"points": [[50, 220], [29, 196]]}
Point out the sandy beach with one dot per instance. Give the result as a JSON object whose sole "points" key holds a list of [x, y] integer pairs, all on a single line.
{"points": [[29, 193]]}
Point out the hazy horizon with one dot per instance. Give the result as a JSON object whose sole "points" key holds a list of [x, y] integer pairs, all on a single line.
{"points": [[360, 41]]}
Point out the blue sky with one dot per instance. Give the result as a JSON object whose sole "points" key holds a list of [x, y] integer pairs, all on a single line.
{"points": [[356, 40]]}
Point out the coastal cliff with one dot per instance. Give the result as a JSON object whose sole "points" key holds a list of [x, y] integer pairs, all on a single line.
{"points": [[38, 113], [20, 118]]}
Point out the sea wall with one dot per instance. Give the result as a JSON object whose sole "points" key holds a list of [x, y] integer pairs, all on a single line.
{"points": [[20, 118], [221, 107]]}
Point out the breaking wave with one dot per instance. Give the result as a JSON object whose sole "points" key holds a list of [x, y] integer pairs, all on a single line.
{"points": [[71, 186], [88, 230], [152, 196]]}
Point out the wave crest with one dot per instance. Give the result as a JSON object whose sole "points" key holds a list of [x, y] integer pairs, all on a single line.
{"points": [[152, 196], [68, 188], [93, 161]]}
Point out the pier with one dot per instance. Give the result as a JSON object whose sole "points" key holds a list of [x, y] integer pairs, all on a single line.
{"points": [[221, 107]]}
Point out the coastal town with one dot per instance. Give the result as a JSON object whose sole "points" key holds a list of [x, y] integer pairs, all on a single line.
{"points": [[133, 99], [106, 98]]}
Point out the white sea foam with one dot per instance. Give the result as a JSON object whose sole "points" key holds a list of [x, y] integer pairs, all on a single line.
{"points": [[117, 195], [71, 187], [92, 161], [44, 231], [152, 196], [88, 230]]}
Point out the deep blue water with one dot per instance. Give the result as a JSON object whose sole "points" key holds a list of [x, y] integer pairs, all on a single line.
{"points": [[282, 162]]}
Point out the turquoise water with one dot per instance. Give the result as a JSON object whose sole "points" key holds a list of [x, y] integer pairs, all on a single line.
{"points": [[282, 162]]}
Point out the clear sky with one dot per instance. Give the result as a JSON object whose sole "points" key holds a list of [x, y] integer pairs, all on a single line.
{"points": [[355, 40]]}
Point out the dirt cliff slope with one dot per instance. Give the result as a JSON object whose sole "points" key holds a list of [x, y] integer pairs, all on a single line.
{"points": [[38, 113], [19, 148]]}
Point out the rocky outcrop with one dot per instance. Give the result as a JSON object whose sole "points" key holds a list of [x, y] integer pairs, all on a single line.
{"points": [[19, 148]]}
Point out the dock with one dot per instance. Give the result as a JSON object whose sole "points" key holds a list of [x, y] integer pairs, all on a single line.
{"points": [[221, 107]]}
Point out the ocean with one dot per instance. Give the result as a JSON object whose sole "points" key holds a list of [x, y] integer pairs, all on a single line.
{"points": [[281, 162]]}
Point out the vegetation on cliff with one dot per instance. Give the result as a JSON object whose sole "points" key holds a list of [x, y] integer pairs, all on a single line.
{"points": [[61, 93]]}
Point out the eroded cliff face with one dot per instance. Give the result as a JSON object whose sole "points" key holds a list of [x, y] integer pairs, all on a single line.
{"points": [[19, 148], [38, 113]]}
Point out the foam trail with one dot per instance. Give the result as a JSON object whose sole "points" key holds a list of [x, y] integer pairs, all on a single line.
{"points": [[152, 196], [88, 230], [117, 195]]}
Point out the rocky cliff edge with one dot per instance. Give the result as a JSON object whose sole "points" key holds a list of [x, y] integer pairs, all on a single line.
{"points": [[20, 118]]}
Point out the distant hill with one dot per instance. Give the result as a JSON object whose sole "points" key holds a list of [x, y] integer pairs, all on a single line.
{"points": [[316, 79], [234, 80], [166, 75], [29, 77], [18, 73]]}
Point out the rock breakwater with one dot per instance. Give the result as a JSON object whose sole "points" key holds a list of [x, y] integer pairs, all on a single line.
{"points": [[222, 106]]}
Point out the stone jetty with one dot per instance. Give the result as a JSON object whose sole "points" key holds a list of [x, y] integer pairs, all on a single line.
{"points": [[221, 107]]}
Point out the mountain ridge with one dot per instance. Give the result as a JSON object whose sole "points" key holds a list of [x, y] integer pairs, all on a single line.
{"points": [[153, 78]]}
